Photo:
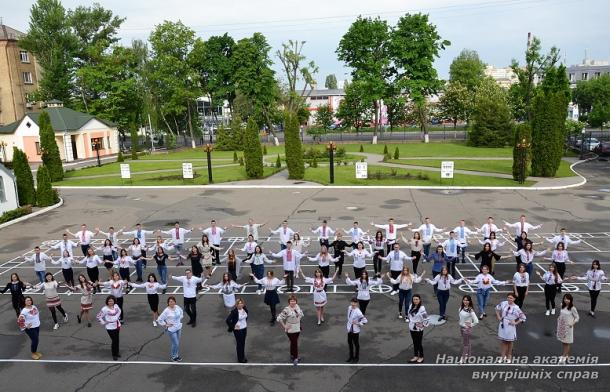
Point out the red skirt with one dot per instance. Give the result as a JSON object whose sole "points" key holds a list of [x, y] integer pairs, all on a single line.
{"points": [[53, 302]]}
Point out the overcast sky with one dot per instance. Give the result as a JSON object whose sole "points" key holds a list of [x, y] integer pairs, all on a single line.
{"points": [[497, 29]]}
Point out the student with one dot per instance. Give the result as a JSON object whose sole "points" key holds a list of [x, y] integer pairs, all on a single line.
{"points": [[594, 278], [359, 255], [484, 282], [290, 320], [171, 319], [319, 282], [379, 245], [137, 251], [53, 302], [161, 259], [285, 233], [152, 294], [86, 288], [396, 258], [123, 262], [560, 257], [568, 317], [39, 259], [111, 235], [443, 282], [291, 262], [140, 234], [324, 233], [109, 253], [324, 258], [16, 286], [339, 245], [237, 321], [251, 228], [488, 258], [363, 285], [66, 267], [84, 237], [298, 244], [468, 319], [417, 249], [215, 233], [418, 320], [257, 262], [92, 261], [249, 247], [207, 252], [189, 290], [509, 316], [109, 317], [117, 286], [521, 226], [488, 228], [270, 283], [427, 231], [227, 287], [563, 237], [65, 244], [356, 233], [233, 264], [195, 256], [177, 236], [439, 262], [463, 234], [552, 284], [405, 285], [450, 247], [521, 283], [355, 320], [29, 322], [493, 241], [391, 230]]}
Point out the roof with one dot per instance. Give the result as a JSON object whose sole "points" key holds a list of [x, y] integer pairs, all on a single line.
{"points": [[9, 33], [62, 120], [331, 91]]}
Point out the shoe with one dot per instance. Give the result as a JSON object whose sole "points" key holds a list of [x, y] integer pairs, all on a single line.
{"points": [[35, 356], [481, 316], [118, 355], [592, 314], [394, 292], [413, 360], [356, 359], [154, 323], [322, 320], [78, 319], [258, 292], [547, 313], [295, 362], [39, 354], [420, 360], [442, 318], [190, 322], [115, 358], [194, 324], [349, 360], [399, 315], [243, 361], [66, 318], [553, 311], [164, 291], [88, 325], [56, 326], [484, 314], [319, 323]]}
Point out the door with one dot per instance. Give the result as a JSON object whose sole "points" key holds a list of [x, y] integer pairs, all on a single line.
{"points": [[74, 149]]}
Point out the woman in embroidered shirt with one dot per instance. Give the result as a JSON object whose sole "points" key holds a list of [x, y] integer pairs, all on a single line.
{"points": [[29, 322], [109, 317], [527, 254], [207, 252], [171, 319], [117, 286], [257, 261], [560, 257], [484, 282], [324, 258], [319, 283], [66, 262], [568, 317], [417, 248], [488, 257], [290, 321], [468, 319], [521, 283], [270, 284], [405, 285], [86, 288], [108, 255], [594, 278], [233, 264], [123, 263], [152, 294], [92, 261], [379, 245], [195, 257], [227, 288], [443, 282], [53, 302], [137, 251], [359, 255], [509, 316], [298, 244], [16, 286], [418, 320], [363, 285], [552, 284], [493, 241]]}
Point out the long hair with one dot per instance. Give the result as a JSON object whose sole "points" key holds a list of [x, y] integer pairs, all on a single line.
{"points": [[569, 297], [415, 308], [469, 306]]}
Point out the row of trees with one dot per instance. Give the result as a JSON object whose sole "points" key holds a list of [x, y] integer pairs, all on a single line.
{"points": [[43, 194], [593, 99]]}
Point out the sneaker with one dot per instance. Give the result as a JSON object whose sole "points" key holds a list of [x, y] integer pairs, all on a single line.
{"points": [[399, 315], [349, 360], [394, 292], [258, 292], [319, 322], [164, 291], [548, 312], [39, 354], [295, 362], [481, 316], [553, 311], [154, 323], [592, 314], [562, 360], [56, 326], [66, 318], [484, 314], [35, 356]]}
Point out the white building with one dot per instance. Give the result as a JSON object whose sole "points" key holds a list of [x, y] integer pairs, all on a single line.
{"points": [[504, 76], [8, 190]]}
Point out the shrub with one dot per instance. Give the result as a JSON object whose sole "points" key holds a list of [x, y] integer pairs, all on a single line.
{"points": [[278, 162], [396, 153], [50, 152], [120, 157], [45, 196], [253, 153], [361, 148], [385, 149], [314, 162], [294, 156], [235, 159], [25, 179], [241, 161], [134, 142], [264, 149], [340, 153], [16, 213]]}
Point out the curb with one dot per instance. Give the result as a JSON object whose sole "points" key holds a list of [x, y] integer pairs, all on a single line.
{"points": [[33, 214]]}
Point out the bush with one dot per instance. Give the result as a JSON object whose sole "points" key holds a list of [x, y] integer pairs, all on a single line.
{"points": [[253, 153], [241, 161], [314, 162], [25, 179], [396, 153], [385, 149], [294, 157], [120, 157], [264, 149], [340, 153], [45, 196], [16, 213], [361, 148], [278, 162], [235, 159], [171, 140]]}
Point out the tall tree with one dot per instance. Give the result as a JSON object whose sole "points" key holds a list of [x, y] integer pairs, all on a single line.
{"points": [[253, 152], [331, 81], [51, 39], [25, 180], [297, 69], [294, 153], [522, 151], [50, 152], [492, 124], [324, 117], [593, 97], [45, 196], [354, 110], [467, 69], [456, 102]]}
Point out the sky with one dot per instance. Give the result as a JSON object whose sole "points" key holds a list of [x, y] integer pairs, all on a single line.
{"points": [[496, 29]]}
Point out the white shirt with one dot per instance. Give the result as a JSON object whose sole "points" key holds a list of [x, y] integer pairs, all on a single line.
{"points": [[84, 236], [487, 228], [291, 263], [270, 284], [563, 238], [136, 250], [92, 261], [116, 287], [551, 279], [521, 280], [462, 233], [109, 318], [214, 234], [360, 257], [450, 246], [189, 286], [493, 243], [323, 232], [519, 227], [113, 237], [139, 234], [418, 320], [404, 283], [249, 247], [356, 233], [560, 256], [485, 281], [527, 257], [444, 282], [284, 233], [30, 318], [252, 230], [594, 279], [427, 231], [64, 245], [363, 286], [123, 262], [390, 232], [258, 259], [242, 319], [177, 235], [355, 319], [396, 259], [66, 262], [468, 318], [323, 261], [39, 261], [151, 287], [171, 318]]}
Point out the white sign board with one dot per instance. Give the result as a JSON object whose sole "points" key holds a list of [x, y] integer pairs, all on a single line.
{"points": [[447, 169], [361, 170], [125, 172], [187, 170]]}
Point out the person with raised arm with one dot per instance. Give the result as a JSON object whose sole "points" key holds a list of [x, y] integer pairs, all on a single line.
{"points": [[356, 233], [359, 255], [152, 294], [109, 317], [484, 282], [594, 278], [391, 230], [117, 288], [299, 244], [159, 243], [86, 289], [488, 257], [29, 322], [563, 237], [49, 288], [492, 241], [113, 236], [177, 236], [195, 257], [257, 262], [215, 234], [109, 255], [363, 285], [560, 257], [171, 320], [270, 284], [319, 282], [521, 283], [521, 226], [405, 288], [443, 282], [249, 247], [324, 259], [418, 320], [16, 287], [66, 262], [552, 284], [227, 287], [355, 322], [141, 234], [123, 262], [161, 258], [463, 234], [285, 233], [233, 264], [84, 237], [527, 255], [396, 258], [65, 244], [291, 262], [251, 228], [509, 316], [488, 227], [379, 246], [427, 230], [324, 232], [207, 251], [189, 290], [339, 245], [92, 263], [438, 262], [417, 248], [137, 250], [39, 259]]}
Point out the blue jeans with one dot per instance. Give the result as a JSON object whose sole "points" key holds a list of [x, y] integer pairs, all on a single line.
{"points": [[140, 269], [162, 270], [174, 338], [427, 250], [40, 275], [529, 267], [404, 296], [451, 265], [179, 248], [443, 297], [259, 272], [482, 296]]}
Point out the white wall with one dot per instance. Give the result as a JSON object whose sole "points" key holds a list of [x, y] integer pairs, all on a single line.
{"points": [[10, 201]]}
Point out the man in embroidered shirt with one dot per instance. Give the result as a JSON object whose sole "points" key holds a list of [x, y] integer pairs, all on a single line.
{"points": [[521, 226], [84, 236], [323, 232], [390, 231], [215, 233], [285, 234]]}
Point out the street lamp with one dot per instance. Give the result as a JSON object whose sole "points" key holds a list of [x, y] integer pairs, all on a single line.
{"points": [[3, 146], [522, 147], [96, 147], [208, 149], [331, 147], [582, 144]]}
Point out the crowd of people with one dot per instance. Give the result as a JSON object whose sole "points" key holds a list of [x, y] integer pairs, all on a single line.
{"points": [[382, 245]]}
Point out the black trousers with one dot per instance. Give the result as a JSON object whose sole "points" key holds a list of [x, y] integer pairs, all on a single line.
{"points": [[289, 280], [54, 314], [93, 273], [394, 275], [324, 241], [561, 269], [358, 272], [216, 254], [418, 348], [240, 341], [119, 301], [377, 261], [18, 302], [84, 249], [339, 266], [190, 307], [33, 334], [363, 303], [550, 291], [114, 337], [417, 256], [68, 274], [325, 270], [593, 294], [353, 341], [520, 296], [153, 302]]}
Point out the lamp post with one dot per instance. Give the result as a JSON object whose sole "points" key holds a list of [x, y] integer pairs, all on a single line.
{"points": [[3, 146], [96, 147], [208, 149], [582, 144], [522, 147], [331, 147]]}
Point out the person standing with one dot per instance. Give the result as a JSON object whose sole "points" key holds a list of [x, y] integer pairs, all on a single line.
{"points": [[298, 244], [552, 284], [391, 229], [418, 320], [509, 316], [355, 321], [29, 322], [140, 234], [117, 287], [270, 283], [324, 258], [86, 288], [324, 233], [207, 253], [233, 264], [53, 302], [123, 262], [468, 319], [396, 258], [363, 285], [484, 282], [488, 257], [40, 263], [463, 234], [257, 262], [521, 226], [137, 251], [108, 255], [568, 317], [195, 256], [227, 287], [237, 321], [427, 230], [319, 282], [443, 282], [417, 248], [16, 287], [152, 294], [215, 233], [439, 261], [92, 262], [594, 278], [359, 255], [290, 320], [161, 258], [249, 247], [405, 286], [560, 257], [84, 237], [109, 317], [65, 244], [379, 246], [251, 228], [291, 262], [356, 233], [521, 283], [171, 319], [113, 236], [488, 228], [450, 247], [177, 236], [189, 290], [66, 267], [339, 245], [285, 233], [492, 241], [563, 237]]}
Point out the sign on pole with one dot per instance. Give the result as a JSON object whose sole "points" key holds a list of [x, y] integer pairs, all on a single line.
{"points": [[447, 169], [187, 170], [125, 172], [361, 170]]}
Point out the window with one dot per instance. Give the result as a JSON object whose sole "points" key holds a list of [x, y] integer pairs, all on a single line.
{"points": [[99, 141], [24, 56], [584, 76], [108, 140], [38, 151], [571, 77], [27, 77], [598, 74], [2, 192]]}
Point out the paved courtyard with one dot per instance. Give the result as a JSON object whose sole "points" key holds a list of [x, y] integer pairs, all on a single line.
{"points": [[76, 358]]}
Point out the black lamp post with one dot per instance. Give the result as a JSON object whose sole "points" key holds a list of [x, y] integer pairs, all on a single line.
{"points": [[208, 149], [522, 147], [331, 146], [582, 144], [96, 147]]}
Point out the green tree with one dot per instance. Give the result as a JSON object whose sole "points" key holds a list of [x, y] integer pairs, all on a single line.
{"points": [[331, 81], [522, 151], [50, 152], [396, 106], [253, 152], [25, 180], [456, 103], [492, 124], [293, 149], [278, 162], [592, 97], [354, 110], [396, 153], [467, 69], [296, 68], [325, 117], [120, 158], [45, 195], [134, 142], [548, 129]]}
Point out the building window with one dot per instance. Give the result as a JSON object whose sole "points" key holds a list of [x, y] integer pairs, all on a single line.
{"points": [[2, 192], [97, 140], [38, 150], [584, 76], [27, 77], [598, 74], [571, 77], [24, 56], [108, 140]]}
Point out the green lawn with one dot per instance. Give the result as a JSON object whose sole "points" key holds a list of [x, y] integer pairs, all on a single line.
{"points": [[490, 166], [433, 149], [346, 175], [198, 152], [221, 174], [137, 166]]}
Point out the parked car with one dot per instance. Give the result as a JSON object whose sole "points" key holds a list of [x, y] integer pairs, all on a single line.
{"points": [[590, 143], [602, 149]]}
